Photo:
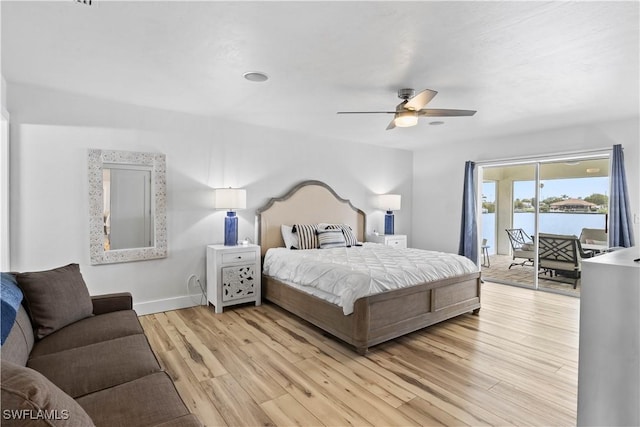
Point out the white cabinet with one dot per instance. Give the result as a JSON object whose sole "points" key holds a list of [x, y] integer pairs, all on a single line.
{"points": [[233, 275], [609, 354], [394, 240]]}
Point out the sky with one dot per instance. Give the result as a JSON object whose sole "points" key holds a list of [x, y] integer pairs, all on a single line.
{"points": [[574, 188]]}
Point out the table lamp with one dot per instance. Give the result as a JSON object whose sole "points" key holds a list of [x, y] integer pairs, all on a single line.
{"points": [[390, 203], [230, 199]]}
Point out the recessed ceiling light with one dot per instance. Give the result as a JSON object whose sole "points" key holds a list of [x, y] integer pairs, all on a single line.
{"points": [[255, 76], [593, 170], [436, 123]]}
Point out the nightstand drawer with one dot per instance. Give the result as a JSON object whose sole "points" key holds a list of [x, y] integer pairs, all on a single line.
{"points": [[397, 243], [238, 257], [393, 240]]}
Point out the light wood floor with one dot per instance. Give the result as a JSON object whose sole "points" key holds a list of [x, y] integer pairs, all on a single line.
{"points": [[513, 364]]}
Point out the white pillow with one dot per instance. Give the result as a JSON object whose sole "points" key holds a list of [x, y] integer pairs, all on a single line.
{"points": [[290, 238]]}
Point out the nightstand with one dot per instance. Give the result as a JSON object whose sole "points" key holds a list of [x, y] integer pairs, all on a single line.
{"points": [[233, 275], [394, 240]]}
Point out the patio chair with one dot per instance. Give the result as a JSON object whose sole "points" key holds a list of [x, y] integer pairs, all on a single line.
{"points": [[522, 246], [594, 236], [561, 256], [486, 261]]}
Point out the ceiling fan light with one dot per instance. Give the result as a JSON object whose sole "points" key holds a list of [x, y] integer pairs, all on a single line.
{"points": [[406, 119]]}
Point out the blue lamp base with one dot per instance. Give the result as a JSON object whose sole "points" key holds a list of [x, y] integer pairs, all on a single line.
{"points": [[231, 229], [388, 223]]}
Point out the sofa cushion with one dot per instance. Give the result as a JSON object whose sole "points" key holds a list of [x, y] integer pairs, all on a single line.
{"points": [[88, 331], [83, 370], [29, 399], [146, 401], [55, 298], [20, 341]]}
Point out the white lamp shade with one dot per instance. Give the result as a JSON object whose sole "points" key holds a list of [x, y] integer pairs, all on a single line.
{"points": [[389, 202], [230, 198]]}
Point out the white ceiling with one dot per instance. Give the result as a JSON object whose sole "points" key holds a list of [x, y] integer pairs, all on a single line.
{"points": [[524, 66]]}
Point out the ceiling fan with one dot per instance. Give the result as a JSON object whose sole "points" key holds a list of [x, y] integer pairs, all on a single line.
{"points": [[408, 111]]}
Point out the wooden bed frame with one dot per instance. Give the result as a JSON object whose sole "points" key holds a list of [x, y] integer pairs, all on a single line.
{"points": [[376, 318]]}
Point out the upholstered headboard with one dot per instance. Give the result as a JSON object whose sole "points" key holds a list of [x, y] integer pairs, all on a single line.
{"points": [[310, 202]]}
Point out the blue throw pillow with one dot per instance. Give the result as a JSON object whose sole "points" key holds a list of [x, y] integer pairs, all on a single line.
{"points": [[11, 297]]}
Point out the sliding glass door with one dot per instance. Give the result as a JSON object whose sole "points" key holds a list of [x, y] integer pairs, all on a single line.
{"points": [[574, 201], [508, 223], [553, 198]]}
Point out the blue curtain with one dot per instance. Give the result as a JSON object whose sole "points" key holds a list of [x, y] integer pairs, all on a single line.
{"points": [[469, 227], [620, 225]]}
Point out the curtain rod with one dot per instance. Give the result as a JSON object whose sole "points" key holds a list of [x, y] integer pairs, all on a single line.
{"points": [[546, 157]]}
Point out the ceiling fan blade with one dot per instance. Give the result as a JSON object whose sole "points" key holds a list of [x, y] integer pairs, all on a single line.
{"points": [[366, 112], [444, 112], [420, 100], [392, 124]]}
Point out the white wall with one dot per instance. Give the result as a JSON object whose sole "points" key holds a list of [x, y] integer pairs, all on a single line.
{"points": [[51, 132], [4, 178], [3, 93], [437, 202]]}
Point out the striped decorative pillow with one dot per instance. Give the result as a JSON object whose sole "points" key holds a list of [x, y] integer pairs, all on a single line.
{"points": [[349, 236], [307, 237], [331, 238]]}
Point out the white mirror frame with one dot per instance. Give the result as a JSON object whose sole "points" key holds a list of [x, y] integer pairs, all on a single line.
{"points": [[96, 161]]}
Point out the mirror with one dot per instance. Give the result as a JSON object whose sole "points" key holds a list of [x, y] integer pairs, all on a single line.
{"points": [[127, 204], [128, 219]]}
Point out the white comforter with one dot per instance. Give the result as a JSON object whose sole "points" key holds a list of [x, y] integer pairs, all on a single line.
{"points": [[342, 275]]}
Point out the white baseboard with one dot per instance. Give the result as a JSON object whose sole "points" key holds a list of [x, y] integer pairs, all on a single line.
{"points": [[168, 304]]}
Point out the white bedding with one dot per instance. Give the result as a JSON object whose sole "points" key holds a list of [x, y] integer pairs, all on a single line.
{"points": [[342, 275]]}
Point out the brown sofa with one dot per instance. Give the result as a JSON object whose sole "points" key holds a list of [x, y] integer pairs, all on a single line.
{"points": [[96, 370]]}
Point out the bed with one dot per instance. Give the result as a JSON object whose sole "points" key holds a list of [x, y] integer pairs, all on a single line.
{"points": [[374, 318]]}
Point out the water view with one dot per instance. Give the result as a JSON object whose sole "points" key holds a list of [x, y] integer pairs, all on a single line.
{"points": [[554, 223]]}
